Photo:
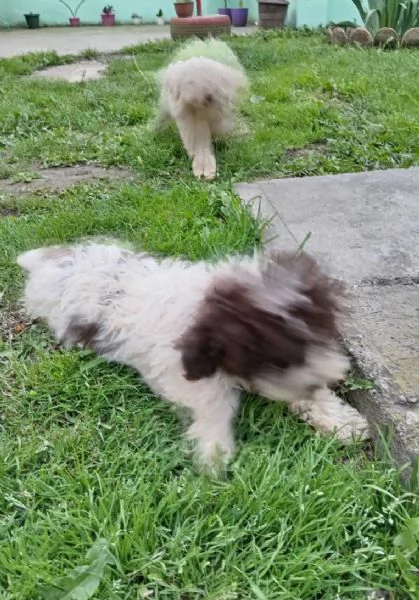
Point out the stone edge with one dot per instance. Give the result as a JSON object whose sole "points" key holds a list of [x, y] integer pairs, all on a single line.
{"points": [[377, 406]]}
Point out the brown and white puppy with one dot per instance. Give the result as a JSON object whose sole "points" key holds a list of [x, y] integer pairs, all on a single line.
{"points": [[197, 332]]}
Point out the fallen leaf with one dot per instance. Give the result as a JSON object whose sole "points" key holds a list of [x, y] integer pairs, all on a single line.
{"points": [[83, 581]]}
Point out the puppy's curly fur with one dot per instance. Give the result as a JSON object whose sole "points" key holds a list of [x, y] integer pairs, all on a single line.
{"points": [[199, 90], [197, 332]]}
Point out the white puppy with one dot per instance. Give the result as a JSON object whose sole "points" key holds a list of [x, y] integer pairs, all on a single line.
{"points": [[199, 90], [197, 332]]}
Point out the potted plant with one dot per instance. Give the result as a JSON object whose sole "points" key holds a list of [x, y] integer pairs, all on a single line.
{"points": [[160, 17], [32, 21], [225, 10], [74, 20], [184, 8], [239, 15], [108, 16], [136, 19], [272, 13]]}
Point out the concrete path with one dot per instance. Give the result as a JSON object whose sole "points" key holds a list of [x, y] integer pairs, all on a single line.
{"points": [[365, 229], [66, 40]]}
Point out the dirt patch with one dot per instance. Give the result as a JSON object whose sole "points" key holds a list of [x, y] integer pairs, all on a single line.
{"points": [[296, 153], [13, 324], [9, 212], [59, 178]]}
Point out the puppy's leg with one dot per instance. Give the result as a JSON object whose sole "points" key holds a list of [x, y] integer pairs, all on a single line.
{"points": [[162, 118], [161, 122], [212, 425], [221, 125], [328, 413], [196, 137], [231, 125]]}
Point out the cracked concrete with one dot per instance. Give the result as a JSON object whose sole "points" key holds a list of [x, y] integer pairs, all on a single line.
{"points": [[364, 229]]}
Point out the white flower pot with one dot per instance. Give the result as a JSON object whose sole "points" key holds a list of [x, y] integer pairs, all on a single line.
{"points": [[160, 20]]}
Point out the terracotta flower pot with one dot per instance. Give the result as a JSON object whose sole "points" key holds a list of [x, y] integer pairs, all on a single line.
{"points": [[108, 20], [200, 27], [184, 10], [74, 22]]}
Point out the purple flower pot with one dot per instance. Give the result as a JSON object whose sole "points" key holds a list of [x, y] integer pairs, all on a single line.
{"points": [[239, 17], [225, 11]]}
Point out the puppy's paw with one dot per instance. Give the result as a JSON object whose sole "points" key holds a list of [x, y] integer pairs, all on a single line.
{"points": [[356, 427], [329, 414], [205, 166], [215, 452]]}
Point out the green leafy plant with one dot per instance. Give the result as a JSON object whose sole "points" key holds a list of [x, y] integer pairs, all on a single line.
{"points": [[353, 384], [82, 582], [400, 15], [74, 11], [107, 10], [159, 13], [406, 546]]}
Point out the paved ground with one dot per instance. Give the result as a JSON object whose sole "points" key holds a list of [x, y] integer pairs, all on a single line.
{"points": [[365, 228], [66, 40]]}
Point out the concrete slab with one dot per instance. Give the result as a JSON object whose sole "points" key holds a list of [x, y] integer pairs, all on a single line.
{"points": [[74, 40], [73, 73], [364, 228]]}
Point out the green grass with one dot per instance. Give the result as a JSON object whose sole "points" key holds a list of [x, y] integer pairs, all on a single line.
{"points": [[86, 451]]}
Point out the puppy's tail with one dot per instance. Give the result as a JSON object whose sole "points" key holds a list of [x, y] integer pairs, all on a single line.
{"points": [[33, 259], [30, 260]]}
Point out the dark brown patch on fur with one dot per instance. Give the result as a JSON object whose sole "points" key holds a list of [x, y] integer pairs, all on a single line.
{"points": [[83, 333], [88, 335], [247, 328], [324, 292], [208, 99]]}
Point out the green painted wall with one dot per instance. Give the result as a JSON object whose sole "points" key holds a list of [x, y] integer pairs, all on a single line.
{"points": [[301, 12]]}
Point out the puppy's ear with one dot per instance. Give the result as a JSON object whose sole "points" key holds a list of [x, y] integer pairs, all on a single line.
{"points": [[201, 355], [234, 333], [327, 296]]}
